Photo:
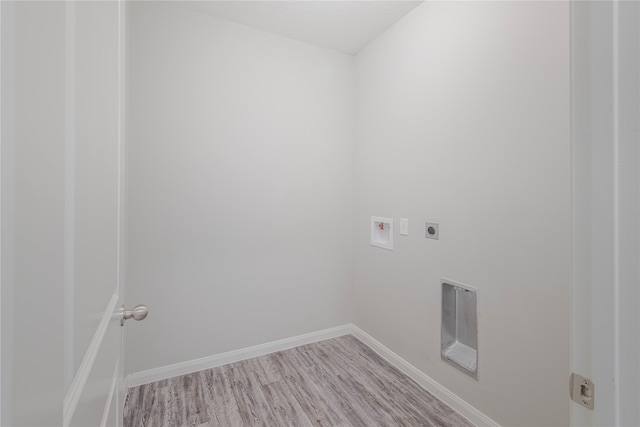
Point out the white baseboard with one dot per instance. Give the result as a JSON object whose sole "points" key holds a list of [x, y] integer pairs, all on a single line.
{"points": [[438, 390], [188, 367]]}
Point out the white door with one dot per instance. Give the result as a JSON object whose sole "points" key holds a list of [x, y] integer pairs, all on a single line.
{"points": [[93, 158], [61, 230], [606, 122]]}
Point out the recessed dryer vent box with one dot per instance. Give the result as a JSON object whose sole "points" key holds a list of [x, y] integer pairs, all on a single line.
{"points": [[382, 232], [459, 330]]}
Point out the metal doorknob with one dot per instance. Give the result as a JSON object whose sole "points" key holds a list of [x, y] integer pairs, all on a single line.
{"points": [[139, 312]]}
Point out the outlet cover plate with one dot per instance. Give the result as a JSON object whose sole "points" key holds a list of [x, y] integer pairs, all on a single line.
{"points": [[404, 227], [432, 230]]}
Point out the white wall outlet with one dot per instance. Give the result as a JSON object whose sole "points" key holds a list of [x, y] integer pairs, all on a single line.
{"points": [[382, 232], [432, 230], [404, 226]]}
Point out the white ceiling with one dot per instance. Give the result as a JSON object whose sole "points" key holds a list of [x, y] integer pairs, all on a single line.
{"points": [[345, 26]]}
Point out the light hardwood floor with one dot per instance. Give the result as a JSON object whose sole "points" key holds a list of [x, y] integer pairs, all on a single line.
{"points": [[335, 383]]}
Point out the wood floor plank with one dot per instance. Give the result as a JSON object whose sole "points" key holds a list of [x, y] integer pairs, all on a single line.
{"points": [[251, 402], [222, 407], [371, 385], [286, 411], [387, 383], [264, 370], [339, 384], [412, 394], [304, 390], [413, 397], [334, 383]]}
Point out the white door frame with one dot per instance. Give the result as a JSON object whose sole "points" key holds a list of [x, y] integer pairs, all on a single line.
{"points": [[606, 235], [122, 96]]}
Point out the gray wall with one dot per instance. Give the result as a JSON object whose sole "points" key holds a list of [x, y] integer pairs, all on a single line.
{"points": [[239, 206], [463, 119]]}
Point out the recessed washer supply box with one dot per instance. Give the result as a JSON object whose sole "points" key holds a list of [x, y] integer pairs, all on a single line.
{"points": [[382, 232], [459, 329]]}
